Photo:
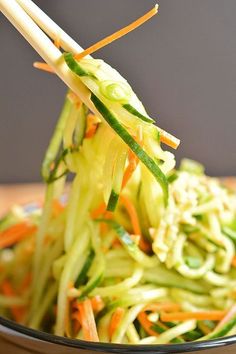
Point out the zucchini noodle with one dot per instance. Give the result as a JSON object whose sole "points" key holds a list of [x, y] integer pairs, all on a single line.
{"points": [[133, 242]]}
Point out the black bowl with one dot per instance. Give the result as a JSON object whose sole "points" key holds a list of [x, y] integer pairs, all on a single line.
{"points": [[17, 339]]}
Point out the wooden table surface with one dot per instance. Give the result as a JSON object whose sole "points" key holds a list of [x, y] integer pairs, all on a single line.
{"points": [[24, 193], [19, 194]]}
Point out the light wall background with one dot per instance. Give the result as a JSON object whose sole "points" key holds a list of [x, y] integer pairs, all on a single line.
{"points": [[182, 64]]}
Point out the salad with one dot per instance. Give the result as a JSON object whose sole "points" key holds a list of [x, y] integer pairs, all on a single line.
{"points": [[137, 251]]}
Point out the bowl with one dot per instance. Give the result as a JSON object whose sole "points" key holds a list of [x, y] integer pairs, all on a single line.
{"points": [[17, 339]]}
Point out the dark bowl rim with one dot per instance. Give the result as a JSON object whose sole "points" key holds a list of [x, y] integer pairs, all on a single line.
{"points": [[117, 348]]}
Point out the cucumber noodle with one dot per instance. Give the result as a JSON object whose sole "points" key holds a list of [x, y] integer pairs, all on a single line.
{"points": [[183, 252]]}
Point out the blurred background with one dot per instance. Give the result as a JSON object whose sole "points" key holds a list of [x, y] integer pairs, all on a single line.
{"points": [[182, 64]]}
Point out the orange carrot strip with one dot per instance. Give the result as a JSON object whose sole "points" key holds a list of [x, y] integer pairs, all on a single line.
{"points": [[103, 228], [91, 132], [43, 67], [144, 245], [55, 309], [98, 211], [200, 316], [233, 263], [169, 139], [116, 243], [74, 99], [76, 316], [15, 234], [144, 321], [92, 119], [122, 32], [26, 282], [101, 210], [165, 306], [88, 321], [16, 311], [57, 207], [92, 125], [57, 41], [133, 162], [229, 314], [76, 322], [97, 303], [132, 214], [115, 320]]}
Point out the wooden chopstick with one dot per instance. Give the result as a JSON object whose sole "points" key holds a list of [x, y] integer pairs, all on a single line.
{"points": [[44, 46], [50, 27]]}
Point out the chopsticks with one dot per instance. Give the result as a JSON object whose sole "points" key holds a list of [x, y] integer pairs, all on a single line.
{"points": [[33, 23], [37, 27], [50, 27]]}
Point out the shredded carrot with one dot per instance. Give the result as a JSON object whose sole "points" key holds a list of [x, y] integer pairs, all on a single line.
{"points": [[133, 162], [116, 243], [144, 321], [16, 311], [115, 320], [75, 99], [76, 318], [169, 139], [200, 316], [103, 228], [165, 306], [43, 67], [76, 322], [88, 321], [15, 234], [97, 303], [233, 263], [101, 210], [144, 245], [26, 281], [55, 309], [132, 214], [57, 41], [98, 211], [229, 314], [122, 32], [57, 207], [91, 132], [92, 125]]}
